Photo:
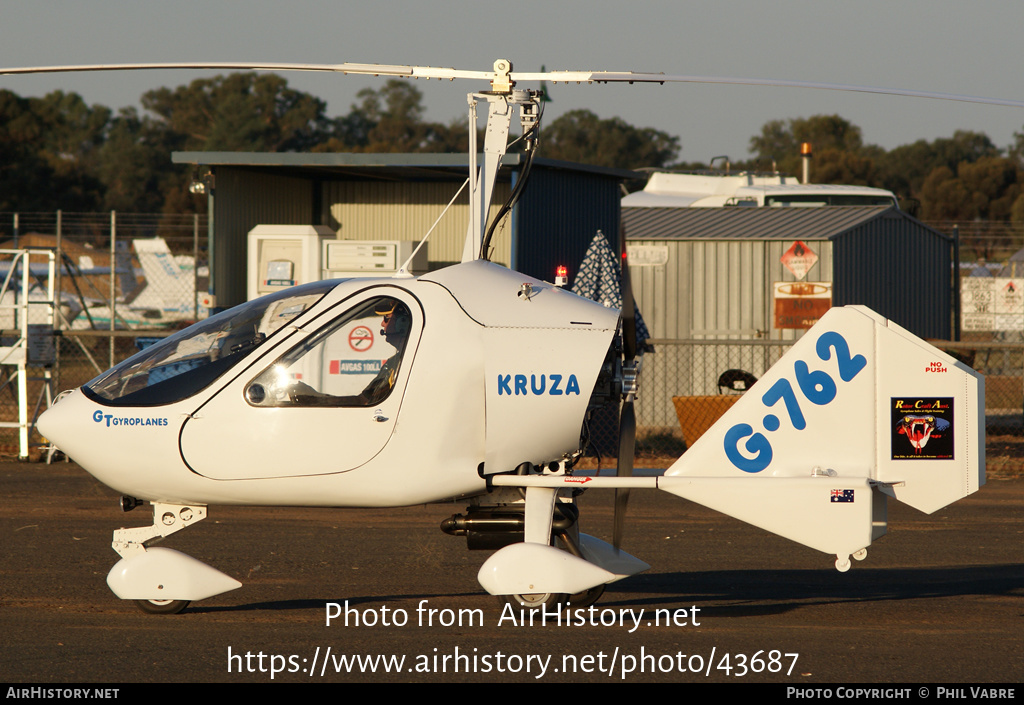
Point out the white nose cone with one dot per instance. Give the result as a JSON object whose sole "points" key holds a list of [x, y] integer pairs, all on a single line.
{"points": [[44, 427]]}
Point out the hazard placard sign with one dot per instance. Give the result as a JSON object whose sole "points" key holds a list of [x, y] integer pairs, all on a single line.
{"points": [[799, 259]]}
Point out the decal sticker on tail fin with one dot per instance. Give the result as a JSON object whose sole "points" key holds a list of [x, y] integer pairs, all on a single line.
{"points": [[922, 428]]}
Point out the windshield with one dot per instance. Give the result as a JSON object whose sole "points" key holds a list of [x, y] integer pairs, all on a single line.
{"points": [[181, 365], [341, 365], [829, 199]]}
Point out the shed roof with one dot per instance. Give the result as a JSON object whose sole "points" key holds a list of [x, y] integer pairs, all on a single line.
{"points": [[381, 166], [747, 223]]}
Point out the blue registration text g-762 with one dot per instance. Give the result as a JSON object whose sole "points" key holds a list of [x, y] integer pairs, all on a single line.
{"points": [[816, 386]]}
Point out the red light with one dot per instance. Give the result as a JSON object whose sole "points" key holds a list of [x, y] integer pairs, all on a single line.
{"points": [[561, 276]]}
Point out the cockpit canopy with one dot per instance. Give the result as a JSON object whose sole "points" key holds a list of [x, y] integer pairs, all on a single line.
{"points": [[181, 365]]}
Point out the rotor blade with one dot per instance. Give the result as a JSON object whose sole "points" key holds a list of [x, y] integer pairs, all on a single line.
{"points": [[515, 76], [630, 77], [627, 444], [366, 69]]}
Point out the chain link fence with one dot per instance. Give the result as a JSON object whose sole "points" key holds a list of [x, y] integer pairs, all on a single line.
{"points": [[122, 281], [984, 243], [685, 386], [127, 279]]}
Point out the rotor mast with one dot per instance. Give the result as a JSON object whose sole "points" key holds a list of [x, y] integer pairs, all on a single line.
{"points": [[501, 101]]}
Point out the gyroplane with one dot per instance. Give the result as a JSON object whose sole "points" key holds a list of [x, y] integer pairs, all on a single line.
{"points": [[242, 408]]}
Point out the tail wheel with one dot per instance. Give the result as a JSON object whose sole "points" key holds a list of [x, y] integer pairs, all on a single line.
{"points": [[162, 606]]}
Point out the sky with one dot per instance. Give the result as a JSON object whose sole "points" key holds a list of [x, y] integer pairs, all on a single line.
{"points": [[932, 45]]}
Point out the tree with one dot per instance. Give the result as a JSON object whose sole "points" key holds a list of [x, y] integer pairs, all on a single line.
{"points": [[243, 112], [986, 189], [904, 169], [581, 136], [25, 175], [73, 134], [135, 168], [829, 135], [390, 119], [834, 166], [1017, 149]]}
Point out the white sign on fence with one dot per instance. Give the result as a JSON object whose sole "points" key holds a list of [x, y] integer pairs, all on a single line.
{"points": [[992, 303]]}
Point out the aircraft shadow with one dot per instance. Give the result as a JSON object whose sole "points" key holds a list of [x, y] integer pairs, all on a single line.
{"points": [[318, 604], [762, 592], [743, 593]]}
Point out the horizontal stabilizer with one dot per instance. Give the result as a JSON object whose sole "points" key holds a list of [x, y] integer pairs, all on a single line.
{"points": [[825, 513]]}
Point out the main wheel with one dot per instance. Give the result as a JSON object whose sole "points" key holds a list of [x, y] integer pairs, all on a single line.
{"points": [[162, 606], [582, 600], [536, 600]]}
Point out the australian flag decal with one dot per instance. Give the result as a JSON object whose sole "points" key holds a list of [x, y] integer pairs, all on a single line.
{"points": [[842, 495]]}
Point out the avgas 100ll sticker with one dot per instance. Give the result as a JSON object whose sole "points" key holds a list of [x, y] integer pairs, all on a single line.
{"points": [[786, 401]]}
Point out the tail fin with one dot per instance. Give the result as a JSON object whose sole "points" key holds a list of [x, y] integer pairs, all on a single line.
{"points": [[857, 404], [166, 289]]}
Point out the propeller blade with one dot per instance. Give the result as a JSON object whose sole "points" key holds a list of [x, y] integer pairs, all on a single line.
{"points": [[628, 306], [627, 418], [627, 443]]}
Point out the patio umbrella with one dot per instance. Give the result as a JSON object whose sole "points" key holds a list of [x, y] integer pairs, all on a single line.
{"points": [[600, 279]]}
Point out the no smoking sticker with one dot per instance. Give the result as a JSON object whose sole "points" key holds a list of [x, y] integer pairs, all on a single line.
{"points": [[360, 338]]}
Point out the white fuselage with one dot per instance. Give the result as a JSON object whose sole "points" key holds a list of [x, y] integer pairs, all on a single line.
{"points": [[490, 376]]}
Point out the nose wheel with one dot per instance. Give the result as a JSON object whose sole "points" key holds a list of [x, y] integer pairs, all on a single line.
{"points": [[550, 600], [586, 598], [547, 601], [162, 580]]}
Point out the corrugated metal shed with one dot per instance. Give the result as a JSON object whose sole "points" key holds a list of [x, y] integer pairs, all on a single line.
{"points": [[398, 197], [745, 223], [724, 260], [707, 274], [560, 212], [899, 267]]}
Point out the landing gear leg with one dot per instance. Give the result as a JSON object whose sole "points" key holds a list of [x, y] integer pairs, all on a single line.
{"points": [[540, 511], [538, 530], [161, 580], [167, 519]]}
